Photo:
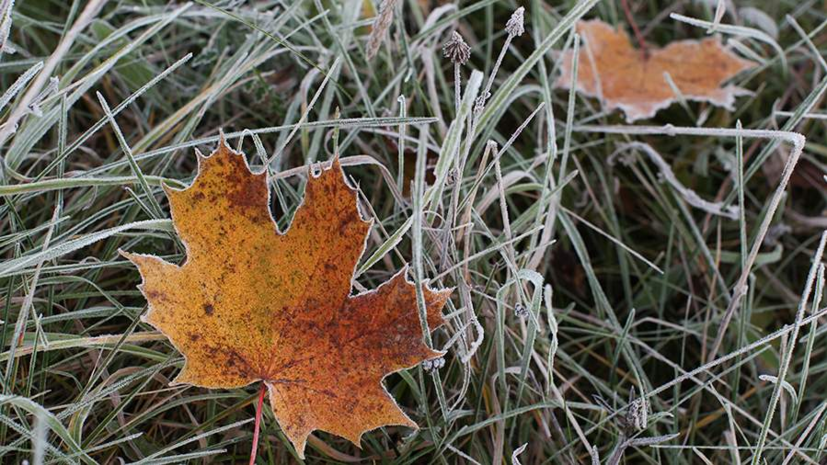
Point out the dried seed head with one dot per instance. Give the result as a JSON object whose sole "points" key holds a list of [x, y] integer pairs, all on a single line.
{"points": [[456, 49], [637, 414], [516, 24]]}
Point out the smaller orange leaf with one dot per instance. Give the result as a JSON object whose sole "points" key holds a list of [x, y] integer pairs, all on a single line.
{"points": [[611, 69]]}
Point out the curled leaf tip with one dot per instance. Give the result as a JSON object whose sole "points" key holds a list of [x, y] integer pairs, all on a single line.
{"points": [[222, 142]]}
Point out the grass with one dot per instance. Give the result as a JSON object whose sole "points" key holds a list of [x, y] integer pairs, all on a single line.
{"points": [[646, 293]]}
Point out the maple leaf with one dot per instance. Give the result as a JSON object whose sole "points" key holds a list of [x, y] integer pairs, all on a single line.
{"points": [[251, 304], [611, 69]]}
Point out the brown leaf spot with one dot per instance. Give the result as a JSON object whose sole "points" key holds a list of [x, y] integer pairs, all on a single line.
{"points": [[155, 296]]}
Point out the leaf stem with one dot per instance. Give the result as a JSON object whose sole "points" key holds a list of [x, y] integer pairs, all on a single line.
{"points": [[638, 36], [258, 422]]}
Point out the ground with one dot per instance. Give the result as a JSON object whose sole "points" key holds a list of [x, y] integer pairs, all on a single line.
{"points": [[622, 293]]}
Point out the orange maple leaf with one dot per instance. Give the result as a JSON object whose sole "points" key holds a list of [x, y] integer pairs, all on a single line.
{"points": [[611, 69], [251, 304]]}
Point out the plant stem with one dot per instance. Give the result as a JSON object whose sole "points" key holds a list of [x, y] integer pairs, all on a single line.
{"points": [[261, 393], [487, 92], [638, 36], [457, 87]]}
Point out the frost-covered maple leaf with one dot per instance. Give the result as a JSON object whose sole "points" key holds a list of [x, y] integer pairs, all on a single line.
{"points": [[252, 304], [611, 69]]}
